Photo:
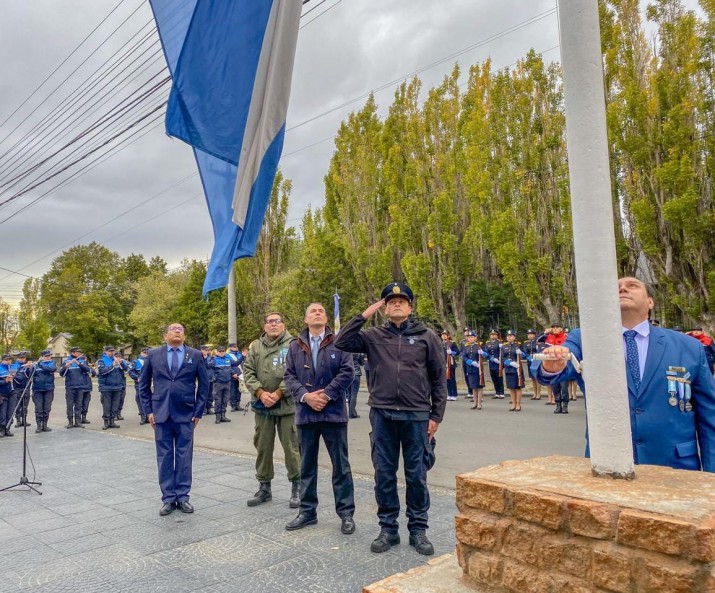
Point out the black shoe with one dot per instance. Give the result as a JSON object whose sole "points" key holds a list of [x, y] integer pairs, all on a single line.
{"points": [[143, 420], [39, 426], [78, 423], [185, 506], [384, 541], [106, 425], [347, 526], [166, 509], [224, 419], [301, 521], [8, 433], [218, 419], [294, 501], [113, 424], [355, 416], [45, 428], [263, 495], [70, 423], [120, 417], [419, 541]]}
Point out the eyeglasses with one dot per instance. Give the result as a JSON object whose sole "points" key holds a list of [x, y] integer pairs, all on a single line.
{"points": [[175, 328], [274, 321]]}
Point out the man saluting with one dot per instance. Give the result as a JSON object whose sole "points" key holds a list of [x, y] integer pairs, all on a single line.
{"points": [[173, 389]]}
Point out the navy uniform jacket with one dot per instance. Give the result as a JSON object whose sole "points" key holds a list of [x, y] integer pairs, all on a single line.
{"points": [[179, 398], [44, 377], [662, 434], [509, 354], [492, 348]]}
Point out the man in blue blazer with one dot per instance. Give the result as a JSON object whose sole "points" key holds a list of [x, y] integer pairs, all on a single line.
{"points": [[671, 391], [173, 389]]}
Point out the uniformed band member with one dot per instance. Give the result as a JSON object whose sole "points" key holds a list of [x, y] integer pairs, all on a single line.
{"points": [[6, 407], [135, 369], [451, 353], [407, 401], [206, 353], [473, 359], [238, 357], [511, 359], [110, 370], [223, 368], [43, 390], [530, 347], [73, 369], [21, 369], [87, 392], [493, 350], [462, 343]]}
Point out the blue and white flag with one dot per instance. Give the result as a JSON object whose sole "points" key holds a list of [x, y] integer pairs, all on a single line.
{"points": [[336, 312], [231, 63]]}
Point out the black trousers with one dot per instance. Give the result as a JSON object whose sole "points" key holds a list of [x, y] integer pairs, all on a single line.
{"points": [[110, 403], [73, 397], [86, 398], [43, 403], [335, 437], [561, 391], [222, 393], [497, 381], [386, 440], [235, 397], [21, 411]]}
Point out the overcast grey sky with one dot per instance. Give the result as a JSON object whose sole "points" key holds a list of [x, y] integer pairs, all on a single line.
{"points": [[355, 47]]}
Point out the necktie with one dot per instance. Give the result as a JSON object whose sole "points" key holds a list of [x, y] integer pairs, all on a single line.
{"points": [[632, 357], [315, 344], [174, 368]]}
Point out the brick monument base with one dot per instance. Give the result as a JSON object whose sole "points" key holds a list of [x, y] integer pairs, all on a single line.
{"points": [[548, 526]]}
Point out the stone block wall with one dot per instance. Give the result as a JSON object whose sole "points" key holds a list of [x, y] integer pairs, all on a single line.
{"points": [[547, 526]]}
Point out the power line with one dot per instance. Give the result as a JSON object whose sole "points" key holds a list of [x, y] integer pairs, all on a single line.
{"points": [[318, 16]]}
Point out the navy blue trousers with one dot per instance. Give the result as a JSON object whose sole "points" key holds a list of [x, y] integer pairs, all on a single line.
{"points": [[497, 381], [43, 403], [21, 411], [110, 403], [86, 398], [174, 455], [222, 393], [73, 398], [335, 437], [352, 397], [386, 439]]}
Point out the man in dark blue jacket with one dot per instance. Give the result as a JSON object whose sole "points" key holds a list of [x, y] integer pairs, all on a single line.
{"points": [[73, 369], [173, 389], [110, 370], [317, 375], [87, 393], [223, 367], [43, 389]]}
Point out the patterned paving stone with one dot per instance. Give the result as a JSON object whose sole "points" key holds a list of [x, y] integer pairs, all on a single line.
{"points": [[96, 528]]}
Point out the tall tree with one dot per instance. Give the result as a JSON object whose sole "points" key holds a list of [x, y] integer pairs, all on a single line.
{"points": [[32, 321]]}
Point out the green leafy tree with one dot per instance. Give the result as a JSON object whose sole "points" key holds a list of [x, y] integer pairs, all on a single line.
{"points": [[32, 321]]}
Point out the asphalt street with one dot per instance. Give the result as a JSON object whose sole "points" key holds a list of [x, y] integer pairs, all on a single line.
{"points": [[467, 439]]}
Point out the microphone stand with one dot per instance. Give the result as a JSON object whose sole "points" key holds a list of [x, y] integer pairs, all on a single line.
{"points": [[24, 480]]}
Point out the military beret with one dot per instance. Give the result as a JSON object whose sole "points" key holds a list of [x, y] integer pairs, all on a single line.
{"points": [[397, 289], [47, 352]]}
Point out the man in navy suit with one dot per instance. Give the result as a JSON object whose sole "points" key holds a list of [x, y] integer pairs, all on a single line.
{"points": [[173, 389], [671, 391]]}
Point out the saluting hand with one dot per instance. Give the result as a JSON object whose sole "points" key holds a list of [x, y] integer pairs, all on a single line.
{"points": [[372, 309]]}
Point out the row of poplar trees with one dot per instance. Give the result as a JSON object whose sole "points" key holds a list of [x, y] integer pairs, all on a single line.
{"points": [[462, 191]]}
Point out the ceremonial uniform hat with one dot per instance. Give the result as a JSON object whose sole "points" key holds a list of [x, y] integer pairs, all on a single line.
{"points": [[6, 357], [22, 354], [471, 334], [530, 331], [221, 349], [697, 328], [510, 332], [47, 352], [493, 331], [397, 289], [109, 348], [76, 349], [205, 347], [233, 345], [145, 349]]}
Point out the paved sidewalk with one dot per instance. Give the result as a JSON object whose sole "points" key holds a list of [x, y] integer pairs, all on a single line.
{"points": [[96, 526]]}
